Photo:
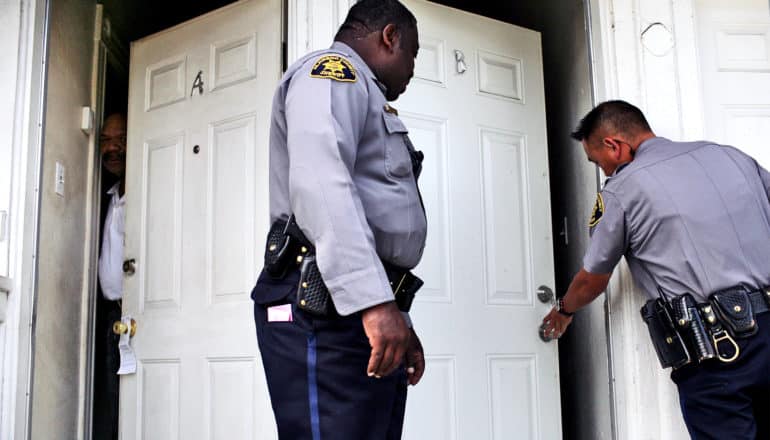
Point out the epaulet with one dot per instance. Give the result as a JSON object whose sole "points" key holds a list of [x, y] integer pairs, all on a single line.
{"points": [[334, 66]]}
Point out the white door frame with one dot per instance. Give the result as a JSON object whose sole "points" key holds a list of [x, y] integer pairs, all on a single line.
{"points": [[645, 53], [313, 23], [27, 141]]}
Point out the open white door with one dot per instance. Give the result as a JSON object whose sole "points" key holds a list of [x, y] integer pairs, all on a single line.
{"points": [[485, 187], [196, 221]]}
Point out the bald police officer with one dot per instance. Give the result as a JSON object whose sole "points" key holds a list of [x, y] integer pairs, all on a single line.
{"points": [[344, 174], [693, 221]]}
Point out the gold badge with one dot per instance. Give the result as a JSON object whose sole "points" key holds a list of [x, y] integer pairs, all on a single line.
{"points": [[598, 211], [334, 67]]}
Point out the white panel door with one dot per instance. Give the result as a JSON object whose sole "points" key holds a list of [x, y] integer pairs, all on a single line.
{"points": [[734, 43], [485, 187], [197, 216]]}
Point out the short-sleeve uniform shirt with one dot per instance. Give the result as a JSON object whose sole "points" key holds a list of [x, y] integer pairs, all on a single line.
{"points": [[340, 162], [689, 218]]}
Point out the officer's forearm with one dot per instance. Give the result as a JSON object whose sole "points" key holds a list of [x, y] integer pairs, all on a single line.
{"points": [[583, 289]]}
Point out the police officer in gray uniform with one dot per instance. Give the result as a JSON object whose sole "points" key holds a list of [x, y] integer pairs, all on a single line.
{"points": [[344, 173], [693, 221]]}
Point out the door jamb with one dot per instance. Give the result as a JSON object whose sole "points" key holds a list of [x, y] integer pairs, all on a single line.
{"points": [[108, 50], [27, 147]]}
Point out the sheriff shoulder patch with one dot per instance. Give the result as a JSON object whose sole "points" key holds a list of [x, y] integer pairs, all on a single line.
{"points": [[334, 67], [598, 212]]}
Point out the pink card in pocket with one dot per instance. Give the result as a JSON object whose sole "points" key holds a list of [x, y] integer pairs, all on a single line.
{"points": [[281, 313]]}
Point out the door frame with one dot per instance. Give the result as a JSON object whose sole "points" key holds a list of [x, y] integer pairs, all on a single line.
{"points": [[623, 66], [108, 51], [27, 145]]}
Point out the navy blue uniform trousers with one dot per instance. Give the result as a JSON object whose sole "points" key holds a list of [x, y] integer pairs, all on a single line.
{"points": [[316, 373], [729, 400]]}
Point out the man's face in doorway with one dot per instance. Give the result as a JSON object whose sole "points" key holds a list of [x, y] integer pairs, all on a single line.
{"points": [[112, 144]]}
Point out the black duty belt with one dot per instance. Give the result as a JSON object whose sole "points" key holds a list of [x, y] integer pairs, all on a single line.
{"points": [[760, 300], [685, 332], [287, 248]]}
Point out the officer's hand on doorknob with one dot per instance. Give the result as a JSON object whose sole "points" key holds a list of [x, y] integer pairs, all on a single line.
{"points": [[555, 324], [388, 335], [415, 359]]}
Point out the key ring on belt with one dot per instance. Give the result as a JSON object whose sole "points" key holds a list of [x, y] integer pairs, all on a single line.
{"points": [[722, 335]]}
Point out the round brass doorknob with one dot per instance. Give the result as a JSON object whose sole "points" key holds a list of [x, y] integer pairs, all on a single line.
{"points": [[119, 328]]}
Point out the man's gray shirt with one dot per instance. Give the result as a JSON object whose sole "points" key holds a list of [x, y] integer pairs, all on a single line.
{"points": [[340, 162], [689, 217]]}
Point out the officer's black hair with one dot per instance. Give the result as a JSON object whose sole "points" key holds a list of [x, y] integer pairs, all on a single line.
{"points": [[617, 114], [368, 16]]}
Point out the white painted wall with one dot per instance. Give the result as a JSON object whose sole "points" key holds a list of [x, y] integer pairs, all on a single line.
{"points": [[658, 71], [64, 239]]}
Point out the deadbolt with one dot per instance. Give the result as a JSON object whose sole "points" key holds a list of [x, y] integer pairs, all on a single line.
{"points": [[129, 267]]}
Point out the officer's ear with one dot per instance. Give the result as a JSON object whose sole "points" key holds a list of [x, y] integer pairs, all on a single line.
{"points": [[390, 37], [611, 144]]}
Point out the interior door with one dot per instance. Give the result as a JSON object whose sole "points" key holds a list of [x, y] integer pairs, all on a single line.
{"points": [[481, 124], [734, 43], [197, 214]]}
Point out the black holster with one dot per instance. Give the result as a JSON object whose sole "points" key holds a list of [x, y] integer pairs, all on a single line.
{"points": [[691, 327], [287, 247], [669, 345]]}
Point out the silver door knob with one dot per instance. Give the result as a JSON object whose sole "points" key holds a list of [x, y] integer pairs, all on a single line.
{"points": [[129, 267], [543, 336], [545, 294]]}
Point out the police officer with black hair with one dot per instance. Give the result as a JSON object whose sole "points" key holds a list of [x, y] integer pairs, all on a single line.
{"points": [[347, 226], [693, 221]]}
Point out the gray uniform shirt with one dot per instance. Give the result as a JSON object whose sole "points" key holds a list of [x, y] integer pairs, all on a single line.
{"points": [[689, 217], [339, 160]]}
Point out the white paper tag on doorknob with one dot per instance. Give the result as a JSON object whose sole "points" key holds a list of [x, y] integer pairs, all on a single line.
{"points": [[127, 356]]}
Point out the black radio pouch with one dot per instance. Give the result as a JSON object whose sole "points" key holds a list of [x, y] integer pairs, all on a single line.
{"points": [[312, 294], [733, 307], [278, 250], [668, 344]]}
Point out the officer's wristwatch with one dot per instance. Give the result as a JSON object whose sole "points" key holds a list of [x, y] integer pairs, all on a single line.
{"points": [[560, 308]]}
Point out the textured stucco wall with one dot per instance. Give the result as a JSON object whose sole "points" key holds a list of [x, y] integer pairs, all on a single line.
{"points": [[56, 387]]}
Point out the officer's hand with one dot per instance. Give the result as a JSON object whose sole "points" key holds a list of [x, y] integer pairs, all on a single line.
{"points": [[388, 335], [555, 324], [415, 360]]}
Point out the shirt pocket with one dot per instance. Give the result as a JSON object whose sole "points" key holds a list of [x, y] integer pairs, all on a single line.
{"points": [[397, 160]]}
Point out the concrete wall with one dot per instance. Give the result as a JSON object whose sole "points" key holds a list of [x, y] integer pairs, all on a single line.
{"points": [[56, 401]]}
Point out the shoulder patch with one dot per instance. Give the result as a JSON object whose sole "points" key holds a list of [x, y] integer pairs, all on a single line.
{"points": [[334, 67], [598, 212]]}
